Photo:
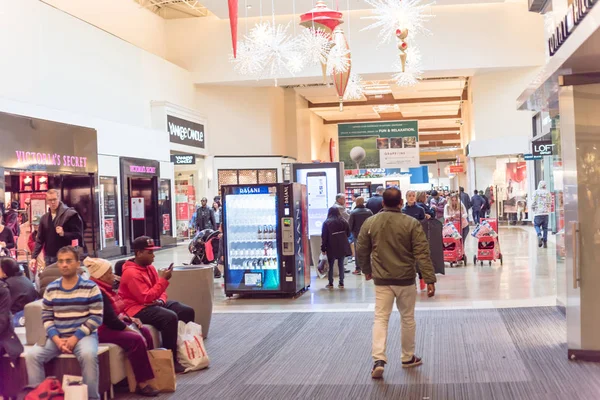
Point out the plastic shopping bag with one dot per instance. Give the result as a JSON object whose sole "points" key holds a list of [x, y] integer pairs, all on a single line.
{"points": [[323, 267], [191, 352], [449, 230]]}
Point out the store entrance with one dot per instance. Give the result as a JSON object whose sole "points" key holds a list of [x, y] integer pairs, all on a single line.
{"points": [[143, 194]]}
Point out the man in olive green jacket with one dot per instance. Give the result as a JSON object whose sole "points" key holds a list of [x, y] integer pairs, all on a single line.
{"points": [[388, 248]]}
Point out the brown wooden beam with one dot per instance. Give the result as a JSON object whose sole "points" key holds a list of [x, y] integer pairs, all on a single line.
{"points": [[438, 144], [450, 137], [374, 101], [453, 129], [385, 117]]}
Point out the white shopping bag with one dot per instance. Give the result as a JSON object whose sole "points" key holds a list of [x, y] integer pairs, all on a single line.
{"points": [[191, 352], [74, 387]]}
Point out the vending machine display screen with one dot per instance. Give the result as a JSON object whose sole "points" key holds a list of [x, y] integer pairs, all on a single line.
{"points": [[321, 188]]}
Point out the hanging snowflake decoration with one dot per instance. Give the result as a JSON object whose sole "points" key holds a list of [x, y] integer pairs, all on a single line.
{"points": [[391, 15], [268, 50], [354, 90], [412, 72], [314, 44], [338, 60]]}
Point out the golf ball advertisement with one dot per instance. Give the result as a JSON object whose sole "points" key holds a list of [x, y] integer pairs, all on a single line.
{"points": [[393, 144]]}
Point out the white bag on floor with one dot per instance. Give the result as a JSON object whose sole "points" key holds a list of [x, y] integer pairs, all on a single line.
{"points": [[74, 387], [191, 352]]}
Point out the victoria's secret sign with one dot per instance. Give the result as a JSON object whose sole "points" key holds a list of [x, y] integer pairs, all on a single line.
{"points": [[142, 169], [577, 11], [29, 158]]}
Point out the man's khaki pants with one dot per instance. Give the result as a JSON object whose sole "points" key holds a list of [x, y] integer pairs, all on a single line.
{"points": [[405, 297]]}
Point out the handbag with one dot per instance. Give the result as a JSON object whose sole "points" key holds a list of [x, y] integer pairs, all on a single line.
{"points": [[161, 361], [323, 266], [191, 352], [50, 388]]}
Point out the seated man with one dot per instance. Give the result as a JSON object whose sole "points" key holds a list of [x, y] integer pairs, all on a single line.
{"points": [[143, 291], [71, 313]]}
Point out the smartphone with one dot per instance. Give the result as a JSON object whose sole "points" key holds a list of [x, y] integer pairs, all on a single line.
{"points": [[316, 188]]}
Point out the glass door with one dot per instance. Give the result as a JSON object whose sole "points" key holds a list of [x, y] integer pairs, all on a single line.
{"points": [[252, 262]]}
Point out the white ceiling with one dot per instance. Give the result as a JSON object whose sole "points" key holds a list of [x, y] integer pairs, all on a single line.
{"points": [[286, 7], [174, 9]]}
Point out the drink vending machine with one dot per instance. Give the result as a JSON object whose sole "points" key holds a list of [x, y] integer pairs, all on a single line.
{"points": [[265, 232]]}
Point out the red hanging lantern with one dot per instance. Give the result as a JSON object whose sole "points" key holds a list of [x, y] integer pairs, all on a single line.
{"points": [[233, 20], [341, 78]]}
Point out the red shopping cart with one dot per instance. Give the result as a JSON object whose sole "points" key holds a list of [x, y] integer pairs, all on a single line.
{"points": [[453, 248], [488, 246]]}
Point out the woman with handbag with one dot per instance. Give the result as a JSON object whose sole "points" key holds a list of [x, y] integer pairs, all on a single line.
{"points": [[121, 330], [334, 243]]}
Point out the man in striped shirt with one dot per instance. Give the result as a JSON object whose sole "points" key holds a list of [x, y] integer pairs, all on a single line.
{"points": [[71, 313]]}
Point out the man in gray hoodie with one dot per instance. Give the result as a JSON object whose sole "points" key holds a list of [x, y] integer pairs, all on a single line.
{"points": [[542, 207]]}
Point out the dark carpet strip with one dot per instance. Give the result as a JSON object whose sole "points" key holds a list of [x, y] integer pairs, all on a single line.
{"points": [[500, 354]]}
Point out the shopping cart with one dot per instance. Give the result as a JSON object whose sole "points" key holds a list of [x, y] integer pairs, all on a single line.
{"points": [[453, 248], [488, 247]]}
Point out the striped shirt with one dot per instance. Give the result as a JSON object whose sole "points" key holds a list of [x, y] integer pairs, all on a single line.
{"points": [[77, 311]]}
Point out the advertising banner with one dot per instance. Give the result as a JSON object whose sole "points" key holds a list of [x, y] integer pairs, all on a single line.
{"points": [[390, 144], [182, 211], [37, 207], [137, 208], [109, 228]]}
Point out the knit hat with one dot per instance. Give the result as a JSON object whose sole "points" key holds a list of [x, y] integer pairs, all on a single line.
{"points": [[96, 267]]}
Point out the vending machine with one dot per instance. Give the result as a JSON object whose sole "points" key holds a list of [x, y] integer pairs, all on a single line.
{"points": [[266, 246]]}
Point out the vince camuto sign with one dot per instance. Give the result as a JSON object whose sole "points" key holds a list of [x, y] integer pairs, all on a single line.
{"points": [[185, 132], [577, 12]]}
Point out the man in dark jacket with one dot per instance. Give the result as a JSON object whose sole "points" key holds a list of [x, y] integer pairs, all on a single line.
{"points": [[389, 247], [9, 342], [478, 205], [59, 227], [358, 216], [464, 198], [205, 216], [11, 219], [375, 203]]}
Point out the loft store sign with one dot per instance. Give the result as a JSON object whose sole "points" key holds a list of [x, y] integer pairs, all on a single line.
{"points": [[141, 169], [543, 148], [185, 132], [577, 12], [28, 158]]}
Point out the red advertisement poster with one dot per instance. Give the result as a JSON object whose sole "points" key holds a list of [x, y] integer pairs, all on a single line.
{"points": [[109, 228], [183, 212], [166, 222]]}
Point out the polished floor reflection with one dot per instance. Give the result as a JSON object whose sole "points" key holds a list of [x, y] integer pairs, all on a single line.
{"points": [[527, 278]]}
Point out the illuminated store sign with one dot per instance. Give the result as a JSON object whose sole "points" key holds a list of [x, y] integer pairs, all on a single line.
{"points": [[542, 148], [28, 158], [142, 169], [185, 132], [577, 12]]}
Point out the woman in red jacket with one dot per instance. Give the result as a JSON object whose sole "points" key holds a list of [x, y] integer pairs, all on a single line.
{"points": [[117, 328]]}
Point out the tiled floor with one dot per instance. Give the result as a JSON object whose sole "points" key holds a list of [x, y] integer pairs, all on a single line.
{"points": [[527, 278]]}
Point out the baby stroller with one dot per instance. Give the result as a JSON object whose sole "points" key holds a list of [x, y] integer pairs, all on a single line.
{"points": [[488, 246], [453, 245], [205, 247]]}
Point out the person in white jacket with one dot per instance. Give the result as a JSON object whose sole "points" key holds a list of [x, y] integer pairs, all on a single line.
{"points": [[455, 212], [542, 207]]}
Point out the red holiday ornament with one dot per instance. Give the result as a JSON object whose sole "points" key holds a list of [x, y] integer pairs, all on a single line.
{"points": [[233, 20]]}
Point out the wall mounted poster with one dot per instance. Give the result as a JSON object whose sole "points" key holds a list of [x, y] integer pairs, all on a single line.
{"points": [[38, 207], [137, 208], [390, 144]]}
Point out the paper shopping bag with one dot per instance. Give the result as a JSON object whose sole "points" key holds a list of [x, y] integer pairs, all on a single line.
{"points": [[191, 352], [161, 361]]}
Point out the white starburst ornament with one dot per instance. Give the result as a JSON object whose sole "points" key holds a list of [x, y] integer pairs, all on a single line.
{"points": [[391, 15], [354, 90], [247, 62], [410, 71], [314, 45], [338, 60]]}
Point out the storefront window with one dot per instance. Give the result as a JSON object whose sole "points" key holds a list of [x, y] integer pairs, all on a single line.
{"points": [[164, 207], [109, 210]]}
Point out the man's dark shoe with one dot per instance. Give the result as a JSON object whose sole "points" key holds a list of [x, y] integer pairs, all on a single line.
{"points": [[347, 271], [356, 272], [414, 362], [179, 369], [147, 391], [329, 286], [540, 241], [545, 244], [378, 368]]}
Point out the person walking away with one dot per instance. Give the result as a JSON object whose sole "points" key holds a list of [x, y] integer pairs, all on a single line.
{"points": [[340, 204], [464, 198], [412, 209], [7, 240], [456, 213], [390, 245], [11, 219], [22, 291], [334, 243], [541, 206], [143, 291], [421, 202], [205, 216], [71, 314], [478, 206], [438, 203], [217, 211], [358, 216], [486, 209], [117, 328], [58, 228], [375, 203]]}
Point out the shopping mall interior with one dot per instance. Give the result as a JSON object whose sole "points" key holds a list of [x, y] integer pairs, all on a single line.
{"points": [[235, 133]]}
